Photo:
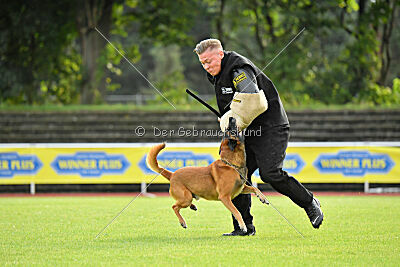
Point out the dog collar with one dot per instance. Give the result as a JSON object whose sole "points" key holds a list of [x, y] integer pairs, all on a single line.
{"points": [[241, 170]]}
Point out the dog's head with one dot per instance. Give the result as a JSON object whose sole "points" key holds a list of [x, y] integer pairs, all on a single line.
{"points": [[232, 135]]}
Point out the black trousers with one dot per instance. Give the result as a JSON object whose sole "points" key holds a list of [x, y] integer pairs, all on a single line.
{"points": [[267, 152]]}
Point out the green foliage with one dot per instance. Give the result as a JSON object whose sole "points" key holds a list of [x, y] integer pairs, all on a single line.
{"points": [[384, 95], [63, 85], [172, 87], [336, 60], [349, 5], [112, 60], [158, 23], [166, 22], [342, 57], [168, 75], [33, 36]]}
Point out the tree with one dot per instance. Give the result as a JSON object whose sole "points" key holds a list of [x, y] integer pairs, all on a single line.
{"points": [[161, 29], [370, 26], [342, 54], [51, 52], [32, 36], [93, 14]]}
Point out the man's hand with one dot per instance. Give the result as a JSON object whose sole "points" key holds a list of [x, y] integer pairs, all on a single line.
{"points": [[224, 121], [244, 108]]}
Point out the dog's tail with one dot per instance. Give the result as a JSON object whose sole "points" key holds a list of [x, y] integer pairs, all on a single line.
{"points": [[152, 162]]}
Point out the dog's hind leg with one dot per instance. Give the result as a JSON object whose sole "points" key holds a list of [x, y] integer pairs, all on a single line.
{"points": [[226, 200], [251, 189], [183, 199], [177, 208]]}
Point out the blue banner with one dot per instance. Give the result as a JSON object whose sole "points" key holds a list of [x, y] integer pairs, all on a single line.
{"points": [[293, 163], [90, 164], [354, 163], [174, 160], [14, 164]]}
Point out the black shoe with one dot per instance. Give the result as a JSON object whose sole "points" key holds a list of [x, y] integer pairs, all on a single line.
{"points": [[314, 213], [251, 230]]}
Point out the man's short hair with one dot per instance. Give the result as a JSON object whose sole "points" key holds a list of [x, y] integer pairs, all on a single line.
{"points": [[205, 44]]}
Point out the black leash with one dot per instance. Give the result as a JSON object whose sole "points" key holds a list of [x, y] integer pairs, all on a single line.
{"points": [[203, 102]]}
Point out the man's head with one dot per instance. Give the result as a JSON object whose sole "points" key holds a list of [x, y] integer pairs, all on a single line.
{"points": [[210, 54]]}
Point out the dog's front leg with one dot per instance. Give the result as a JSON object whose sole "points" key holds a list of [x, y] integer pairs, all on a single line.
{"points": [[226, 199], [251, 189]]}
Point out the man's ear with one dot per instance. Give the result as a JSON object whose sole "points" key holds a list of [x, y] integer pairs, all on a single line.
{"points": [[221, 53]]}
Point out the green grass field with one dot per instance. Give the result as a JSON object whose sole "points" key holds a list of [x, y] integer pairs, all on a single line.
{"points": [[358, 231]]}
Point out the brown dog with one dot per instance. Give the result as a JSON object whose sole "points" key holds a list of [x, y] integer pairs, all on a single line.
{"points": [[222, 180]]}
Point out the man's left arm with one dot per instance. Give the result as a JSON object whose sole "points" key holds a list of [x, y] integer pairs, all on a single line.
{"points": [[248, 102]]}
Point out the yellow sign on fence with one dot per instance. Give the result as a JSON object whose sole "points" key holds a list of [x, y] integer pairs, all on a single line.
{"points": [[125, 163]]}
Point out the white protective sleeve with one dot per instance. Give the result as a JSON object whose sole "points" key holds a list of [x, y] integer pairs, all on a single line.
{"points": [[245, 108]]}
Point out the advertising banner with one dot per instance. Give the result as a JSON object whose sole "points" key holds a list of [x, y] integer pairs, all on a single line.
{"points": [[126, 163]]}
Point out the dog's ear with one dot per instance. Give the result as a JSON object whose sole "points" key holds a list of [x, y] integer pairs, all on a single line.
{"points": [[232, 143]]}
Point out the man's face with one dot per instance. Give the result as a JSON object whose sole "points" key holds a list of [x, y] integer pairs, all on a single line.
{"points": [[211, 60]]}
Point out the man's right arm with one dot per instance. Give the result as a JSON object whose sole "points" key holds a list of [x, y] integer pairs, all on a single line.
{"points": [[248, 102], [244, 80]]}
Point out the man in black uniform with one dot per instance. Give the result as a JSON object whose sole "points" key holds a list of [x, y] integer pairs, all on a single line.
{"points": [[244, 92]]}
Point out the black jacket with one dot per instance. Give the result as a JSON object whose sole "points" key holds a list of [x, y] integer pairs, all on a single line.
{"points": [[275, 115]]}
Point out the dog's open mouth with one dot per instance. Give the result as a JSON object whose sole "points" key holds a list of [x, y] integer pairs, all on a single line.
{"points": [[232, 134]]}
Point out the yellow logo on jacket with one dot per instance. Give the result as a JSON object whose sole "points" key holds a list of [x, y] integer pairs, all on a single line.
{"points": [[239, 78]]}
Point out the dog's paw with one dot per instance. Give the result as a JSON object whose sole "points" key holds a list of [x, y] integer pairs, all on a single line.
{"points": [[263, 200], [183, 225], [193, 207]]}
